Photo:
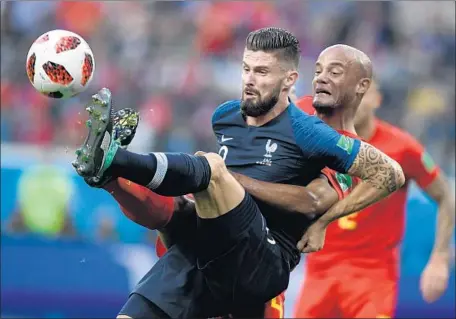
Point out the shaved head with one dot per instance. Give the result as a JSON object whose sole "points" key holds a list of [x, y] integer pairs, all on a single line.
{"points": [[358, 57], [342, 76]]}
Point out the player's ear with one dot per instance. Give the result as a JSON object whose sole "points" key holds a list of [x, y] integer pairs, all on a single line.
{"points": [[291, 78], [363, 86]]}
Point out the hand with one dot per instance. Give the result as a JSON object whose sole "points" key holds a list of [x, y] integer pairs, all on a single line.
{"points": [[313, 239], [434, 279]]}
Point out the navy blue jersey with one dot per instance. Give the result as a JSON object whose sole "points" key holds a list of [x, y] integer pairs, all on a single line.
{"points": [[291, 149]]}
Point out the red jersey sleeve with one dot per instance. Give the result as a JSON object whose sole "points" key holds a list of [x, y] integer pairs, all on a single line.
{"points": [[331, 175], [418, 164], [342, 183]]}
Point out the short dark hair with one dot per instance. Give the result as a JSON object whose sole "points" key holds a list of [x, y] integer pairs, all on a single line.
{"points": [[275, 39]]}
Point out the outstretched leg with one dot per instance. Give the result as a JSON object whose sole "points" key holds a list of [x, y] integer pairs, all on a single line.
{"points": [[237, 254], [168, 174]]}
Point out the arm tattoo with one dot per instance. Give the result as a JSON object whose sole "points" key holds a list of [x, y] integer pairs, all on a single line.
{"points": [[377, 168]]}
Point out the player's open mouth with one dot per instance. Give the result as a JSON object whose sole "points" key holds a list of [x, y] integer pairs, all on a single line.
{"points": [[248, 93], [322, 92]]}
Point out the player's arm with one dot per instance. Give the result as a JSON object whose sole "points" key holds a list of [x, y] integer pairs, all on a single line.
{"points": [[380, 174], [420, 167], [313, 199], [140, 204], [439, 191]]}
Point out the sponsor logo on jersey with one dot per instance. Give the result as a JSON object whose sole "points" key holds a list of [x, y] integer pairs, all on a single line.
{"points": [[346, 143], [345, 181]]}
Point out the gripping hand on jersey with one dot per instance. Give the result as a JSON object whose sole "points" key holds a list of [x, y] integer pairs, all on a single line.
{"points": [[313, 239]]}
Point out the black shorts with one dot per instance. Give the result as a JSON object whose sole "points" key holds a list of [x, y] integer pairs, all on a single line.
{"points": [[241, 261], [177, 288], [174, 283], [139, 307], [181, 229]]}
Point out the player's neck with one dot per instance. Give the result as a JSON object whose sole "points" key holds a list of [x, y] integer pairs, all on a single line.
{"points": [[367, 129], [340, 120], [272, 114]]}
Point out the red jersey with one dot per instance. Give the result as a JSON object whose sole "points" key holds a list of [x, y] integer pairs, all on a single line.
{"points": [[379, 227]]}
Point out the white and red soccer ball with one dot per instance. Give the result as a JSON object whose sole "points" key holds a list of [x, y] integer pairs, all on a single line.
{"points": [[60, 64]]}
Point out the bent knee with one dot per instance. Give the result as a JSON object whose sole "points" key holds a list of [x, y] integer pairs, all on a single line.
{"points": [[218, 167]]}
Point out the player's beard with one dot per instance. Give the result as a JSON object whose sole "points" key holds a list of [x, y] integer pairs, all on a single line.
{"points": [[261, 106], [327, 108], [324, 109]]}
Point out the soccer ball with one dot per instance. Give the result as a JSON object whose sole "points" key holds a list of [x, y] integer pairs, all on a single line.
{"points": [[60, 64]]}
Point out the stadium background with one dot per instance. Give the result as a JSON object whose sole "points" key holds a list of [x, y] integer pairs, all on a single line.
{"points": [[175, 61]]}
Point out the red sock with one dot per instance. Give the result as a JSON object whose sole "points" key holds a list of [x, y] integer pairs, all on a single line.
{"points": [[140, 204], [160, 248]]}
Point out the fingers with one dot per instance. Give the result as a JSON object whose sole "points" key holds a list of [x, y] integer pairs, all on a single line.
{"points": [[423, 288], [301, 244], [430, 294], [432, 285], [433, 291], [306, 246], [313, 239], [309, 248]]}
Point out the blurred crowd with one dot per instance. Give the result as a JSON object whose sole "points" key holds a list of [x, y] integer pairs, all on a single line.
{"points": [[175, 61]]}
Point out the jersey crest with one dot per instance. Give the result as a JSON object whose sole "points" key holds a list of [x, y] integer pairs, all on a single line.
{"points": [[267, 157]]}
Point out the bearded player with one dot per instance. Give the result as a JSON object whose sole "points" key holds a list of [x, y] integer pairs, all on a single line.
{"points": [[356, 274], [154, 211], [175, 218], [323, 194], [231, 229]]}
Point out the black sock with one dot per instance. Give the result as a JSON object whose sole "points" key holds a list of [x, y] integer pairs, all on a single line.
{"points": [[167, 174]]}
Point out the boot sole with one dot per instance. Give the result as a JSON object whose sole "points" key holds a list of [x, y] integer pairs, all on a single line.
{"points": [[100, 118]]}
